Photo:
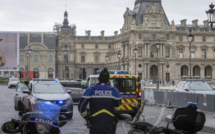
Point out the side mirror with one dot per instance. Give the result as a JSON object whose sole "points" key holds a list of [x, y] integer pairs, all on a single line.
{"points": [[69, 91], [11, 127], [186, 90], [26, 92]]}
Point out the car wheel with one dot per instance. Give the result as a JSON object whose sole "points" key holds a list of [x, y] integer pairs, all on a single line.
{"points": [[69, 116]]}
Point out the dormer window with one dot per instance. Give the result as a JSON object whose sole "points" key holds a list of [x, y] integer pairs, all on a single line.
{"points": [[154, 22]]}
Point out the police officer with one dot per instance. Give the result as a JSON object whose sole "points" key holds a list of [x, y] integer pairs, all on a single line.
{"points": [[102, 99]]}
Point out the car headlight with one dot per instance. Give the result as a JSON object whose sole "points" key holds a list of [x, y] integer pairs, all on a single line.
{"points": [[61, 102]]}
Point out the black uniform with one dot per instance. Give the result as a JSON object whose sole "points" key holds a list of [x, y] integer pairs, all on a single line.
{"points": [[102, 99]]}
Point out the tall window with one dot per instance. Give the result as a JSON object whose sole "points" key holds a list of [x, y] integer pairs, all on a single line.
{"points": [[96, 58], [203, 39], [180, 53], [180, 38], [82, 58], [204, 53], [66, 58], [22, 57], [82, 46], [167, 37], [192, 53], [167, 52], [140, 36], [50, 56], [36, 56], [97, 46], [139, 51], [154, 22], [153, 37], [109, 46]]}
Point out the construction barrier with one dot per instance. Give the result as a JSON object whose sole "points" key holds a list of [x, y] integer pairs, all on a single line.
{"points": [[179, 99]]}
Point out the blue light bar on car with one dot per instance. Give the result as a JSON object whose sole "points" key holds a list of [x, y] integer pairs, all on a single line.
{"points": [[192, 104], [43, 79]]}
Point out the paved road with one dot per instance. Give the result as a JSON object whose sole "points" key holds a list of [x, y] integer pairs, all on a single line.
{"points": [[76, 125]]}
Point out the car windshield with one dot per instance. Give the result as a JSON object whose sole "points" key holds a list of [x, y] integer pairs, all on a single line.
{"points": [[48, 88], [94, 81], [14, 79], [71, 84], [200, 86]]}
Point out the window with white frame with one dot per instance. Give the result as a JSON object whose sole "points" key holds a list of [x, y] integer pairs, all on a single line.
{"points": [[180, 53], [167, 37], [204, 51], [96, 58], [139, 51], [82, 58], [140, 36], [180, 38], [203, 39], [82, 46], [167, 52], [22, 57], [36, 55], [50, 56], [154, 22], [192, 53], [96, 46], [109, 46], [153, 36]]}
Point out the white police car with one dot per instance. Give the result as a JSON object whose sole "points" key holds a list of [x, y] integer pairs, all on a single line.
{"points": [[43, 90]]}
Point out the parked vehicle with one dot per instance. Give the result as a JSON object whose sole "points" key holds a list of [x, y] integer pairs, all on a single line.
{"points": [[186, 120], [12, 82], [195, 86], [44, 119], [41, 90], [76, 89], [129, 87]]}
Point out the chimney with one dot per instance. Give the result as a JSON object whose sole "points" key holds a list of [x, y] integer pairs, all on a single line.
{"points": [[102, 34], [195, 23], [206, 23], [116, 33], [88, 34], [184, 23]]}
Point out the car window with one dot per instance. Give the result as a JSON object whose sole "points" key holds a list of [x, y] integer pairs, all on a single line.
{"points": [[94, 81], [48, 88], [22, 87], [116, 83], [200, 86], [186, 86], [129, 85], [14, 79], [71, 84]]}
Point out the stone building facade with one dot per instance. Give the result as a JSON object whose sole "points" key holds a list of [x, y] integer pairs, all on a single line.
{"points": [[144, 27]]}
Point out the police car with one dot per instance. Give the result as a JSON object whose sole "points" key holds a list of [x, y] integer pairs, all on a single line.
{"points": [[129, 87], [43, 90]]}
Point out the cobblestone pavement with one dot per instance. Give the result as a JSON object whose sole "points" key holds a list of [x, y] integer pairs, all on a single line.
{"points": [[76, 125]]}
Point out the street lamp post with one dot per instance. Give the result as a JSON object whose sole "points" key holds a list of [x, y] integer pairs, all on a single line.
{"points": [[119, 55], [135, 52], [211, 15], [59, 54], [127, 60], [157, 46], [29, 54], [190, 39], [65, 53], [45, 71]]}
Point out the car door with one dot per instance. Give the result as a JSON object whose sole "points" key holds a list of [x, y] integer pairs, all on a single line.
{"points": [[20, 96]]}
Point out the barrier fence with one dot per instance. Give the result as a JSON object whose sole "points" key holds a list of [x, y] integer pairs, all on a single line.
{"points": [[178, 99]]}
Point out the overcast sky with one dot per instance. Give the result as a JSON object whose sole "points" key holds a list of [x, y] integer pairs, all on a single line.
{"points": [[94, 15]]}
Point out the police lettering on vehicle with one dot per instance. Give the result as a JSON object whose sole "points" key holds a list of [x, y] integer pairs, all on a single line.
{"points": [[103, 93]]}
